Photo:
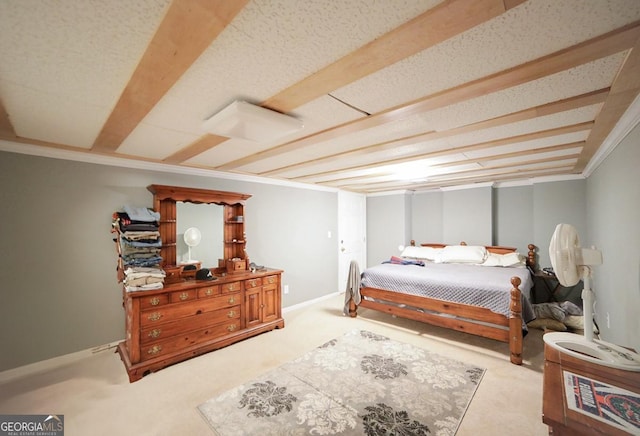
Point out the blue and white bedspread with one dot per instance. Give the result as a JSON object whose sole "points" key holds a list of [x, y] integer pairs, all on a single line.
{"points": [[483, 286]]}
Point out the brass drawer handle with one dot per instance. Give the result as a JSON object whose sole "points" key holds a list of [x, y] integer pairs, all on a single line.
{"points": [[155, 301], [209, 291], [271, 280], [184, 296], [231, 314], [230, 286], [232, 300], [154, 316], [155, 333], [155, 349], [252, 283], [232, 327]]}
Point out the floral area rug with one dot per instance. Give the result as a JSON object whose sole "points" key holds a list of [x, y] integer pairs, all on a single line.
{"points": [[359, 384]]}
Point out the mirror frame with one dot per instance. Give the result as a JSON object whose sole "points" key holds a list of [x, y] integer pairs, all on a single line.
{"points": [[164, 201]]}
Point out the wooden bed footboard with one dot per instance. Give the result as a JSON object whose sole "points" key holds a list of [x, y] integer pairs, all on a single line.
{"points": [[462, 317]]}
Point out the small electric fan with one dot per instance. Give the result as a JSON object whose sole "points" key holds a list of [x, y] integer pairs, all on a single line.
{"points": [[192, 237], [571, 263]]}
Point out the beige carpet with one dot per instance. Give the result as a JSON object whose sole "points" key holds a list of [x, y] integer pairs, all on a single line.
{"points": [[95, 397]]}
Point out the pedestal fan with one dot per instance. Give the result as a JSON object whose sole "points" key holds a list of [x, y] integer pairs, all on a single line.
{"points": [[192, 237], [571, 263]]}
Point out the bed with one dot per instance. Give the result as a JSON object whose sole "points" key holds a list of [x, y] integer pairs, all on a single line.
{"points": [[481, 290]]}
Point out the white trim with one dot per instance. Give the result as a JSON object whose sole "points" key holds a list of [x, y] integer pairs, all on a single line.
{"points": [[542, 179], [426, 190], [470, 186], [382, 194], [56, 153], [514, 183], [559, 178], [53, 363], [628, 121], [309, 302]]}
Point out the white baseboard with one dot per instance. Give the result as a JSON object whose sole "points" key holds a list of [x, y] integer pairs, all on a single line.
{"points": [[310, 302], [53, 363]]}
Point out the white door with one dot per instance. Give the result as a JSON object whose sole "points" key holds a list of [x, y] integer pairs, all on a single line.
{"points": [[352, 230]]}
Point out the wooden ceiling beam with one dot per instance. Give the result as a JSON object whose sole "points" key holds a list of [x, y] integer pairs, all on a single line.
{"points": [[471, 147], [438, 24], [187, 30], [596, 48], [506, 176], [197, 147], [522, 153], [552, 108], [531, 152], [624, 91]]}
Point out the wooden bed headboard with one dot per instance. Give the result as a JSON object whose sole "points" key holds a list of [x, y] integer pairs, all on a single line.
{"points": [[497, 249]]}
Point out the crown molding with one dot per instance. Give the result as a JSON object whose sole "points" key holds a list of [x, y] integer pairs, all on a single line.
{"points": [[383, 194], [469, 186], [628, 121], [56, 153]]}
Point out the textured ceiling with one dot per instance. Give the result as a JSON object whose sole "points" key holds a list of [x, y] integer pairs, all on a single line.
{"points": [[394, 95]]}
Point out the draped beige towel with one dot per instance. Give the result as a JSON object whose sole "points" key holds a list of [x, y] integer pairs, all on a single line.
{"points": [[353, 286]]}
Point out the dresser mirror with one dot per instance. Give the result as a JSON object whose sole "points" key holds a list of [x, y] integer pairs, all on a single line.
{"points": [[209, 219], [219, 215]]}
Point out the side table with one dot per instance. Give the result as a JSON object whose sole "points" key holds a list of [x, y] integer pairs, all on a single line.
{"points": [[609, 397]]}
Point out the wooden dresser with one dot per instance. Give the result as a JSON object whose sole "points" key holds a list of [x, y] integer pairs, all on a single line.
{"points": [[187, 319]]}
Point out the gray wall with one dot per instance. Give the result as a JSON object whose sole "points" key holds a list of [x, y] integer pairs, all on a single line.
{"points": [[426, 220], [387, 226], [466, 216], [613, 222], [555, 203], [513, 217], [59, 289]]}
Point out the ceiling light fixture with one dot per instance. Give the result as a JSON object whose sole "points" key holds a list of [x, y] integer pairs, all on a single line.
{"points": [[247, 121]]}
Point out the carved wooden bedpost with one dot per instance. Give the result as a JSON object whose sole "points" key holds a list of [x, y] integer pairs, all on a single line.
{"points": [[515, 322]]}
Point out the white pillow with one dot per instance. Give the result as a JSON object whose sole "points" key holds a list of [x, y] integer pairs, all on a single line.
{"points": [[426, 253], [492, 259], [463, 254], [511, 259], [506, 260]]}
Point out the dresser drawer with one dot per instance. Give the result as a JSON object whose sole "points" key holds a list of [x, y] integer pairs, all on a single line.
{"points": [[167, 330], [230, 287], [252, 283], [172, 312], [208, 291], [180, 296], [153, 301], [270, 280], [185, 340]]}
